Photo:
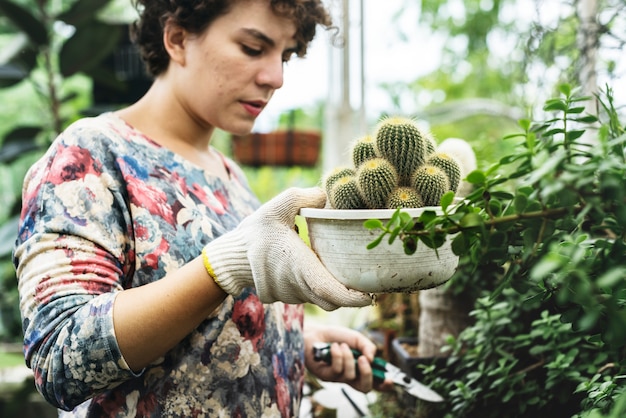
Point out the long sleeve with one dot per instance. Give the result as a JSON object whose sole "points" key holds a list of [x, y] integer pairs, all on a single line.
{"points": [[73, 254]]}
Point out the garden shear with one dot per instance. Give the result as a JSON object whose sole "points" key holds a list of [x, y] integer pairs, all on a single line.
{"points": [[381, 370]]}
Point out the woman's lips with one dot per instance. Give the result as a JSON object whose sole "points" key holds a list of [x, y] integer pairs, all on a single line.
{"points": [[254, 108]]}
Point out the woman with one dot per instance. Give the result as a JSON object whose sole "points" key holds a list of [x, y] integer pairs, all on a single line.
{"points": [[147, 276]]}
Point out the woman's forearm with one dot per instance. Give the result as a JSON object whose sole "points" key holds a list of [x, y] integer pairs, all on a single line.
{"points": [[150, 320]]}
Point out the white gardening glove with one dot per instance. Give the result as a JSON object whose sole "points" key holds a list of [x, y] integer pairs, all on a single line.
{"points": [[265, 251]]}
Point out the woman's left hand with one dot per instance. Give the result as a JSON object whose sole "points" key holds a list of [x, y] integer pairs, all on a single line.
{"points": [[343, 368]]}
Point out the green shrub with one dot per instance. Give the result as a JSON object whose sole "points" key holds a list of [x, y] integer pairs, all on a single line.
{"points": [[542, 246]]}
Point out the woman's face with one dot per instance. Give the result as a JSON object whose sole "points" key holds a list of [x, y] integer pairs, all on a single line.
{"points": [[230, 72]]}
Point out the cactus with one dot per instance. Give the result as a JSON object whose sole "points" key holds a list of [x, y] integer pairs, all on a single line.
{"points": [[404, 197], [363, 149], [449, 165], [376, 179], [400, 141], [431, 183], [335, 175], [398, 166], [344, 194], [431, 144]]}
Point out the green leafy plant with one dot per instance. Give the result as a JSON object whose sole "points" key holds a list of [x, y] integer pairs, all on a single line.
{"points": [[542, 246]]}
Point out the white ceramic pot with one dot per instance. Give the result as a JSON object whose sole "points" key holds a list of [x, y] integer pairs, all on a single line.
{"points": [[340, 240]]}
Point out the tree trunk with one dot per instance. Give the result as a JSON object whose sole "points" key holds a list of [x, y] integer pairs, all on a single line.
{"points": [[442, 314], [588, 42]]}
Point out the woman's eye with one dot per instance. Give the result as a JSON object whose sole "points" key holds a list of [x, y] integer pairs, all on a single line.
{"points": [[253, 52]]}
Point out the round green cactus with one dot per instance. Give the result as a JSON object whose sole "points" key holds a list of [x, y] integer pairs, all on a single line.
{"points": [[431, 144], [376, 179], [400, 141], [431, 183], [463, 153], [404, 197], [449, 165], [344, 194], [363, 149], [334, 175]]}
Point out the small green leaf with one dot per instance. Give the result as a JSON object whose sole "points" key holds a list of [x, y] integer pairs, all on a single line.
{"points": [[373, 224], [520, 202], [500, 194], [554, 131], [446, 200], [572, 135], [375, 242], [394, 220], [508, 159], [555, 104], [476, 177], [587, 119], [580, 99], [576, 110], [471, 220], [393, 235], [566, 89], [524, 124], [406, 220], [460, 244]]}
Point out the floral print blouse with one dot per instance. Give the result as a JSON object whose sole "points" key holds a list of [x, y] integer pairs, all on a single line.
{"points": [[108, 209]]}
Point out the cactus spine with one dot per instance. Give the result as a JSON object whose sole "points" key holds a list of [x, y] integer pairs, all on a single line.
{"points": [[376, 179], [404, 197], [449, 166], [431, 183], [344, 194], [401, 142], [363, 149]]}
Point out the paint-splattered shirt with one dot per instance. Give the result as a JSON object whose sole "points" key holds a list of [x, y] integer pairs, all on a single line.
{"points": [[108, 209]]}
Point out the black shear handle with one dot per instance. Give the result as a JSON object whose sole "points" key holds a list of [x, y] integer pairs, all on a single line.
{"points": [[321, 352]]}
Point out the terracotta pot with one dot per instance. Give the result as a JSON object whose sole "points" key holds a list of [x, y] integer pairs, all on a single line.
{"points": [[279, 148]]}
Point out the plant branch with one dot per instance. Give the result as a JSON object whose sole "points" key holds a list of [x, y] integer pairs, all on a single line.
{"points": [[493, 221], [531, 367]]}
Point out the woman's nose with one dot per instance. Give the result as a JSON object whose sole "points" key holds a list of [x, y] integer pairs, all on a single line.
{"points": [[272, 73]]}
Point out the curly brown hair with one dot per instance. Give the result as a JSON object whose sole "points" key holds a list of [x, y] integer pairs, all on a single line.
{"points": [[196, 15]]}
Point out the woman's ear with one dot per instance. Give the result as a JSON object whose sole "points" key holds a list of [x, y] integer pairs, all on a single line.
{"points": [[174, 38]]}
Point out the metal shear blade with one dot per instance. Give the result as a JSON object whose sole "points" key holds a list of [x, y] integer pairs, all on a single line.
{"points": [[412, 386]]}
